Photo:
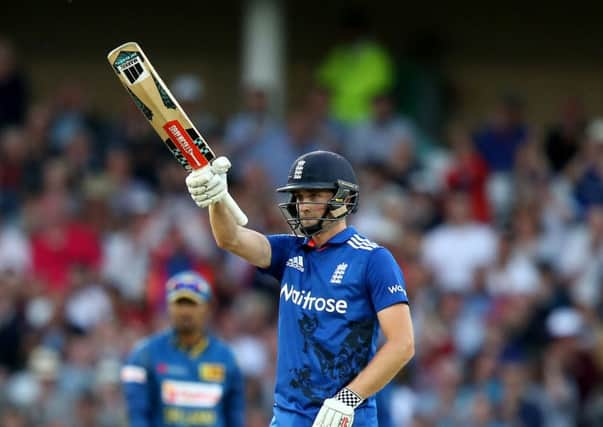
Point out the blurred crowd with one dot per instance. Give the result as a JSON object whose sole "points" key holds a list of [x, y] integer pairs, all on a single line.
{"points": [[497, 224]]}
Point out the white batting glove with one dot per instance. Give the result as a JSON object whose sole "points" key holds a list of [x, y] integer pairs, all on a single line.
{"points": [[209, 185], [338, 411]]}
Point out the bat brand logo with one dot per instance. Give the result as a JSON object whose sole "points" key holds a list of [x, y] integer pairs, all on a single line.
{"points": [[131, 66], [184, 142]]}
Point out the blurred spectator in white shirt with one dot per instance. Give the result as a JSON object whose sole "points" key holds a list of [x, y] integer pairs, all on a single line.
{"points": [[581, 259], [459, 247], [15, 251], [512, 273]]}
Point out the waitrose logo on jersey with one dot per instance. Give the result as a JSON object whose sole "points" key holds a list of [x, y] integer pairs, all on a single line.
{"points": [[308, 302]]}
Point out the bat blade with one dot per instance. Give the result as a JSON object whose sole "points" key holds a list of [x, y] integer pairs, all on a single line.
{"points": [[154, 99]]}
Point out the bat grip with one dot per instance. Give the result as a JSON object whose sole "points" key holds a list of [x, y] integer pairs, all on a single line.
{"points": [[234, 208]]}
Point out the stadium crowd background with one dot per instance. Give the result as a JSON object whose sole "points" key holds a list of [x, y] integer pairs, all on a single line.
{"points": [[498, 226]]}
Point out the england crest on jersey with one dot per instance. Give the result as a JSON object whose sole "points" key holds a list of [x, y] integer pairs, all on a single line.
{"points": [[339, 272]]}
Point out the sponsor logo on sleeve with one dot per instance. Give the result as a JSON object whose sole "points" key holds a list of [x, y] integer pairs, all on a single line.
{"points": [[133, 374], [395, 289]]}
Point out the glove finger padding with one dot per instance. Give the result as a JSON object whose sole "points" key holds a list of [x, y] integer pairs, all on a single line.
{"points": [[208, 185], [220, 165], [216, 184], [213, 192], [199, 177]]}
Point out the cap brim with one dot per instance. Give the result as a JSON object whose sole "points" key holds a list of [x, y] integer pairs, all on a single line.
{"points": [[175, 296], [306, 186]]}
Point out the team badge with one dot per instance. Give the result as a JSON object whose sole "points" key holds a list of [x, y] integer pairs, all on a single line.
{"points": [[212, 372], [337, 276]]}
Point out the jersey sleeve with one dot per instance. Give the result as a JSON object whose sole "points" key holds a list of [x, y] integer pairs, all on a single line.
{"points": [[385, 280], [135, 380], [281, 245]]}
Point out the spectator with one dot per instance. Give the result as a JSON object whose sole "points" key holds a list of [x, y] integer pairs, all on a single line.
{"points": [[189, 89], [13, 87], [458, 248], [15, 250], [581, 259], [61, 242], [247, 134], [329, 132], [356, 69], [127, 249], [12, 324], [468, 171], [564, 138], [14, 153], [518, 405], [588, 189], [513, 273], [499, 139], [569, 353], [497, 142], [377, 139]]}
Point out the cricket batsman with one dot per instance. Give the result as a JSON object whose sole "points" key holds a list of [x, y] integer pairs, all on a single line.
{"points": [[338, 289], [184, 376]]}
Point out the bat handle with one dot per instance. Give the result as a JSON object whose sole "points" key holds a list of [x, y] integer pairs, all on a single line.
{"points": [[234, 208]]}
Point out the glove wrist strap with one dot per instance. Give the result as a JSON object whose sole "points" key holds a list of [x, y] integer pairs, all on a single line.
{"points": [[349, 397]]}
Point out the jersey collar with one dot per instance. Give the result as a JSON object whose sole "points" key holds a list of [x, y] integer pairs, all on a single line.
{"points": [[194, 350], [338, 239]]}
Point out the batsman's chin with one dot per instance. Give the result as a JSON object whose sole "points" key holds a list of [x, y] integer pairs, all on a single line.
{"points": [[308, 222]]}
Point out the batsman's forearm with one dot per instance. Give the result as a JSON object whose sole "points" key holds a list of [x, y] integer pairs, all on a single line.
{"points": [[382, 368], [223, 226], [244, 242]]}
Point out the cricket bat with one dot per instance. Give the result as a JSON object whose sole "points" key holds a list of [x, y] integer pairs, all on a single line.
{"points": [[154, 99]]}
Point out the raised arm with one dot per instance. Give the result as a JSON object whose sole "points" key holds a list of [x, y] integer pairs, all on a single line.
{"points": [[241, 241], [208, 188]]}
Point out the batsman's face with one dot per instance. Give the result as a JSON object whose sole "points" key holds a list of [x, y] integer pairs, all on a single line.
{"points": [[187, 316], [312, 205]]}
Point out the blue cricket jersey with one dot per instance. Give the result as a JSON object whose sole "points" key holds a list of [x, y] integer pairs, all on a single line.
{"points": [[165, 385], [328, 328]]}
